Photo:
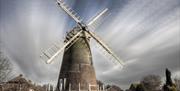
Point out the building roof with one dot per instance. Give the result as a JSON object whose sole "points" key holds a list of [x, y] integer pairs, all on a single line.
{"points": [[18, 79]]}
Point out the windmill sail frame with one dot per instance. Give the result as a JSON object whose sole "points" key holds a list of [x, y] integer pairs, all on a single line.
{"points": [[83, 29]]}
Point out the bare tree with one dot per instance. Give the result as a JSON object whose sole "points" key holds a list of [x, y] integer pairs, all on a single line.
{"points": [[5, 67], [151, 82]]}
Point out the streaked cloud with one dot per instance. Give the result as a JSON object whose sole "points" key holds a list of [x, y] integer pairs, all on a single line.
{"points": [[143, 33]]}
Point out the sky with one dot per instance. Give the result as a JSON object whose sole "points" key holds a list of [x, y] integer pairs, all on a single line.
{"points": [[145, 34]]}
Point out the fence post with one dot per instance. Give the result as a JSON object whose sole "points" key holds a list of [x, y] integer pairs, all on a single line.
{"points": [[89, 87], [69, 86], [79, 87], [103, 87], [61, 86], [64, 83]]}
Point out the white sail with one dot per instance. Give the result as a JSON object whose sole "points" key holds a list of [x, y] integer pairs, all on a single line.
{"points": [[50, 55], [105, 47]]}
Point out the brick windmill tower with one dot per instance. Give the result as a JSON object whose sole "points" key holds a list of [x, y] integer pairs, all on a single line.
{"points": [[77, 71]]}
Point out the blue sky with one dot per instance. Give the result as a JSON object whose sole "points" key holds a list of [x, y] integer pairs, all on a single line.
{"points": [[145, 34]]}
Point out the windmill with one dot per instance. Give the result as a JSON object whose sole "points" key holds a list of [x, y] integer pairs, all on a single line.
{"points": [[77, 71]]}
